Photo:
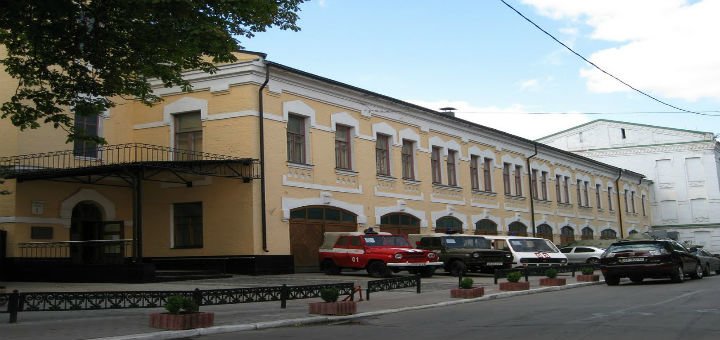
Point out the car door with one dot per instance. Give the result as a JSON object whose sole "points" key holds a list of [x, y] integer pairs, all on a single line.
{"points": [[568, 251], [688, 260]]}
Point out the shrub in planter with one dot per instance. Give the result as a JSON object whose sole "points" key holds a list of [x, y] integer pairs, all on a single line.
{"points": [[466, 283], [588, 275], [551, 273], [514, 283], [466, 290], [331, 305], [182, 313], [587, 270], [329, 294]]}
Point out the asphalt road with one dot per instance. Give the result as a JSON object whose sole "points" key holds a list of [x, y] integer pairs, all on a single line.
{"points": [[655, 309]]}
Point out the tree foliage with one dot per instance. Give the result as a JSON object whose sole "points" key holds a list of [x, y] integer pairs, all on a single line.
{"points": [[80, 54]]}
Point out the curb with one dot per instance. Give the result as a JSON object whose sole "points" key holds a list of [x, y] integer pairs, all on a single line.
{"points": [[330, 319]]}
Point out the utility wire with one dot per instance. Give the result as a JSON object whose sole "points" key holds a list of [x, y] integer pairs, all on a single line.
{"points": [[598, 67]]}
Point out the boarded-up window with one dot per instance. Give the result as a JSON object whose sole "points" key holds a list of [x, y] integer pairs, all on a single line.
{"points": [[664, 171], [699, 209], [694, 170]]}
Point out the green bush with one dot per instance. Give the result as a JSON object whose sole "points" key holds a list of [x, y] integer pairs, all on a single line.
{"points": [[329, 294], [551, 273], [514, 276], [466, 283], [588, 270], [178, 304]]}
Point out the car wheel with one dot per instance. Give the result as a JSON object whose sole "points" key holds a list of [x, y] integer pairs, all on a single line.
{"points": [[636, 279], [457, 268], [679, 275], [612, 280], [593, 260], [330, 268], [427, 272], [378, 269], [698, 273]]}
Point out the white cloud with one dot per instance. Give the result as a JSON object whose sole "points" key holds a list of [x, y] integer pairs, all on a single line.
{"points": [[665, 47], [530, 84], [514, 119]]}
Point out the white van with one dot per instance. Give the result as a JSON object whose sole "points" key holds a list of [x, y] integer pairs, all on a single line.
{"points": [[529, 251]]}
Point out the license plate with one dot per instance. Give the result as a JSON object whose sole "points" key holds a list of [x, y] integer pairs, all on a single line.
{"points": [[631, 259], [494, 263]]}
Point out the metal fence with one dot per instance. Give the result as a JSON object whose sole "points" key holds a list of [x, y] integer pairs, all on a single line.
{"points": [[540, 270], [393, 283]]}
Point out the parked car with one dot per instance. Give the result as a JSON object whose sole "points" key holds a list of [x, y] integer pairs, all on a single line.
{"points": [[529, 251], [583, 254], [380, 254], [710, 262], [460, 253], [638, 260]]}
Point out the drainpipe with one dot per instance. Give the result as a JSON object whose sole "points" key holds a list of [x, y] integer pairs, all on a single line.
{"points": [[532, 203], [617, 190], [261, 116]]}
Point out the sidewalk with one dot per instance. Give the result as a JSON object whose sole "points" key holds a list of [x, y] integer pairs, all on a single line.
{"points": [[133, 323]]}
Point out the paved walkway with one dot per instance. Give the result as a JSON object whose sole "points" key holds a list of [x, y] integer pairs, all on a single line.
{"points": [[133, 323]]}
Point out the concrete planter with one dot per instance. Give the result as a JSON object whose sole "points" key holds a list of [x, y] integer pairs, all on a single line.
{"points": [[587, 278], [552, 282], [467, 293], [182, 321], [514, 286], [333, 308]]}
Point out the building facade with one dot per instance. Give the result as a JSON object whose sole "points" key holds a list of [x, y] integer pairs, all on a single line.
{"points": [[199, 177], [683, 166]]}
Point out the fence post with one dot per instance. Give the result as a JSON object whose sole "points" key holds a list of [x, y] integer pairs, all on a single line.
{"points": [[13, 305], [495, 275], [573, 270], [197, 297], [418, 282], [525, 270], [367, 292], [283, 296], [459, 280]]}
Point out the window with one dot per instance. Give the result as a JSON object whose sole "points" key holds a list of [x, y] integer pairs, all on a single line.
{"points": [[543, 185], [86, 126], [187, 225], [545, 231], [451, 159], [448, 224], [435, 163], [566, 189], [587, 233], [567, 235], [534, 183], [518, 180], [517, 229], [585, 194], [382, 155], [408, 159], [558, 194], [608, 234], [577, 189], [632, 202], [627, 205], [597, 196], [474, 179], [506, 178], [486, 227], [642, 204], [610, 205], [296, 139], [41, 233], [342, 147], [188, 134], [487, 174]]}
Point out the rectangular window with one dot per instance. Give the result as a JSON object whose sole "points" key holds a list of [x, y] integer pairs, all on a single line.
{"points": [[342, 147], [627, 204], [408, 159], [435, 163], [518, 180], [86, 126], [558, 194], [451, 159], [41, 233], [543, 185], [610, 205], [534, 183], [188, 135], [487, 174], [506, 178], [296, 139], [188, 225], [474, 178], [578, 184], [632, 202], [597, 196], [566, 189], [382, 155], [585, 194], [642, 204]]}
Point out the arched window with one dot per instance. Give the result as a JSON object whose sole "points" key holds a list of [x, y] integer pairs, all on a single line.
{"points": [[567, 235], [486, 227], [608, 234], [545, 231], [588, 233], [448, 224], [633, 232], [400, 224], [323, 214], [517, 229]]}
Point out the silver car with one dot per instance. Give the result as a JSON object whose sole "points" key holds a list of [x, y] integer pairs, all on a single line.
{"points": [[583, 254]]}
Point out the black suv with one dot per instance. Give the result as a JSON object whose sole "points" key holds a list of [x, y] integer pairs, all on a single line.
{"points": [[638, 260], [460, 253]]}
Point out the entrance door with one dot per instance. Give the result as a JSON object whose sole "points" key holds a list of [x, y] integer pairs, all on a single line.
{"points": [[112, 252], [307, 226]]}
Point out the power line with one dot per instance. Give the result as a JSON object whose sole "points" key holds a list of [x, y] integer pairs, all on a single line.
{"points": [[588, 113], [598, 67]]}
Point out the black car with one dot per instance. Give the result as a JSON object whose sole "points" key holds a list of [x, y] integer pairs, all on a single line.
{"points": [[638, 260], [710, 263]]}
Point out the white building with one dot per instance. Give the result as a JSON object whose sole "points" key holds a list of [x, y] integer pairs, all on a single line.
{"points": [[684, 166]]}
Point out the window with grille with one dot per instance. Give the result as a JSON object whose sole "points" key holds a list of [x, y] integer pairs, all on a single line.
{"points": [[188, 225], [608, 234], [587, 233], [448, 224], [86, 127]]}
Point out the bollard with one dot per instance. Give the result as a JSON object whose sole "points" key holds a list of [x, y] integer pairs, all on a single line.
{"points": [[459, 280], [367, 293], [13, 305], [197, 297], [573, 270], [283, 296], [418, 283], [525, 270]]}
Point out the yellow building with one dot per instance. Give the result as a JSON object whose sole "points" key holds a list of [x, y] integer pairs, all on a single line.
{"points": [[200, 181]]}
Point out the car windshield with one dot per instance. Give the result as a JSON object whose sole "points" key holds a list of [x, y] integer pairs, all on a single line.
{"points": [[635, 247], [467, 242], [386, 240], [532, 245]]}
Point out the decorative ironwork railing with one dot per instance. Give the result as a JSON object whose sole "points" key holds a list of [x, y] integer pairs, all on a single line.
{"points": [[540, 270], [109, 250], [107, 155], [393, 283]]}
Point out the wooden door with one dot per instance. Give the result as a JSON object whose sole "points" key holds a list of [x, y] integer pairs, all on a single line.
{"points": [[305, 241]]}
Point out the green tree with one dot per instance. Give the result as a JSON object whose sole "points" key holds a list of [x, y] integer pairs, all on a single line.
{"points": [[80, 54]]}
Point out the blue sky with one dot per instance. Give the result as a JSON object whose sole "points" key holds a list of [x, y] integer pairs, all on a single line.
{"points": [[498, 70]]}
